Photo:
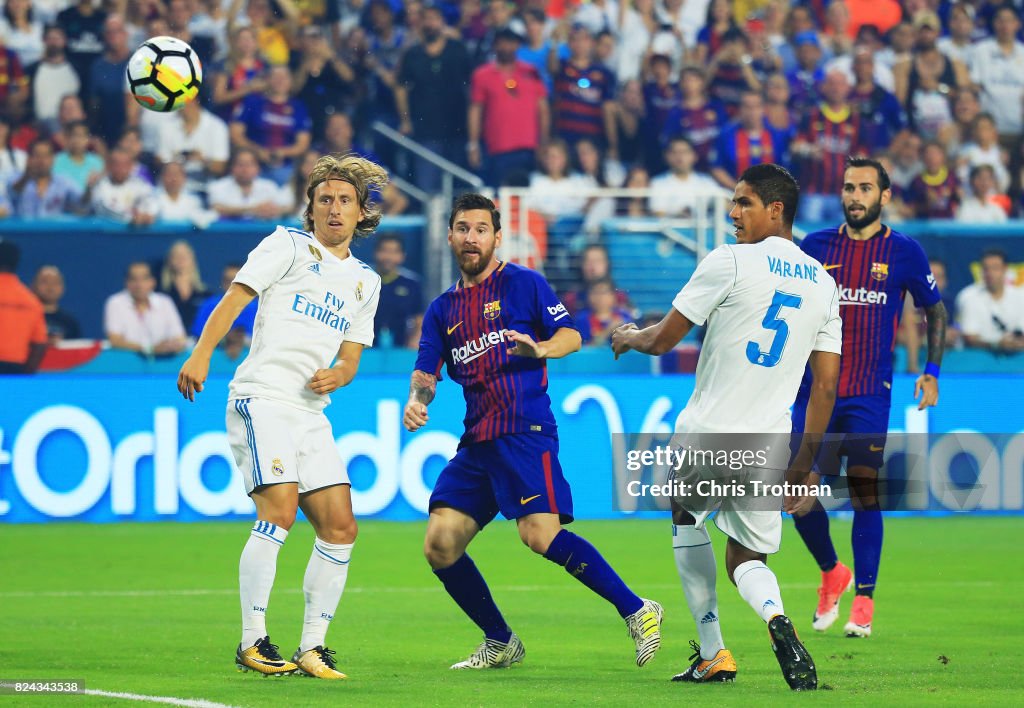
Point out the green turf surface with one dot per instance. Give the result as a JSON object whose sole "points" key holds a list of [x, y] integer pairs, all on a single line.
{"points": [[152, 609]]}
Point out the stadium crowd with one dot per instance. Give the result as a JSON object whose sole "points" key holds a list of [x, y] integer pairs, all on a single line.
{"points": [[679, 96]]}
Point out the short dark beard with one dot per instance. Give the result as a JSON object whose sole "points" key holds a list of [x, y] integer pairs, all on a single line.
{"points": [[871, 213], [472, 270]]}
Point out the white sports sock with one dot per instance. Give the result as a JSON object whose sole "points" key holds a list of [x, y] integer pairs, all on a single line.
{"points": [[759, 587], [695, 561], [323, 584], [256, 571]]}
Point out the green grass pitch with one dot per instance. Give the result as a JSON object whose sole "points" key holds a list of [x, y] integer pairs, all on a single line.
{"points": [[152, 609]]}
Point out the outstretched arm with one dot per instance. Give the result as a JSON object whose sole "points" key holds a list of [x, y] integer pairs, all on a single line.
{"points": [[656, 340], [421, 393]]}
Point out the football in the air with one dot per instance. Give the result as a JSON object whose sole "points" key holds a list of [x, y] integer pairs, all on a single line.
{"points": [[164, 74]]}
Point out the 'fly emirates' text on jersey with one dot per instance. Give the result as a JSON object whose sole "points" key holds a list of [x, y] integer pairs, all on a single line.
{"points": [[464, 329], [767, 306], [873, 278], [309, 303]]}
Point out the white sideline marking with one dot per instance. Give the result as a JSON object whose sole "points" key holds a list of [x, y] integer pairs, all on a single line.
{"points": [[413, 590], [187, 702]]}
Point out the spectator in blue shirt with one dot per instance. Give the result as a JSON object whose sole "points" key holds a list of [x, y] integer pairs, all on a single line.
{"points": [[39, 193], [809, 72], [881, 115]]}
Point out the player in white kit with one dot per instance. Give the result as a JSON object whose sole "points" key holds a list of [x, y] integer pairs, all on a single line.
{"points": [[316, 308], [769, 308]]}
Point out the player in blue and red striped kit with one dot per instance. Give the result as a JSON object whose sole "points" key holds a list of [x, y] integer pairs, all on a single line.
{"points": [[874, 267], [493, 330]]}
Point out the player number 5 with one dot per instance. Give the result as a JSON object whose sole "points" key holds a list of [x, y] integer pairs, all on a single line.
{"points": [[771, 321]]}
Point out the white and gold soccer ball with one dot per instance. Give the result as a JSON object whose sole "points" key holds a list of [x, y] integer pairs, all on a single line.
{"points": [[164, 74]]}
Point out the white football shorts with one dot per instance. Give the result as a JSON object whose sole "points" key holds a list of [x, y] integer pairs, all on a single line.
{"points": [[274, 443]]}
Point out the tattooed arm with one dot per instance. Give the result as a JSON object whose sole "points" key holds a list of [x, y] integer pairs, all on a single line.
{"points": [[421, 393], [927, 384]]}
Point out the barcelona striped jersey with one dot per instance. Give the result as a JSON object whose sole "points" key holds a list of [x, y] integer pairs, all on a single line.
{"points": [[465, 330], [873, 277]]}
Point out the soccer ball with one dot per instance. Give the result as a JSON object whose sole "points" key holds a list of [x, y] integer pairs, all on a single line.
{"points": [[164, 74]]}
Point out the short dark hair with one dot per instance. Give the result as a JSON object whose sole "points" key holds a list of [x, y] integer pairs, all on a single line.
{"points": [[978, 169], [884, 182], [678, 138], [10, 256], [128, 269], [773, 183], [994, 253], [470, 201], [389, 237]]}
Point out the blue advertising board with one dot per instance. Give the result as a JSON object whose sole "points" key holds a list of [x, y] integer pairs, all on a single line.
{"points": [[111, 448]]}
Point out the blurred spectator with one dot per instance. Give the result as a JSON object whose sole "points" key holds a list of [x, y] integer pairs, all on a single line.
{"points": [[997, 66], [595, 266], [274, 125], [680, 191], [272, 36], [583, 98], [882, 14], [500, 16], [122, 195], [52, 78], [597, 16], [400, 295], [554, 190], [696, 117], [828, 135], [338, 139], [244, 194], [180, 279], [984, 149], [508, 110], [638, 24], [83, 25], [22, 33], [991, 313], [629, 124], [601, 315], [131, 142], [711, 36], [179, 14], [905, 152], [137, 319], [880, 114], [197, 139], [39, 193], [901, 45], [985, 204], [241, 331], [804, 79], [241, 75], [597, 172], [299, 183], [684, 17], [948, 299], [731, 72], [662, 96], [958, 44], [749, 141], [838, 30], [386, 41], [798, 20], [868, 42], [638, 178], [777, 109], [538, 50], [324, 83], [174, 202], [77, 162], [966, 108], [925, 81], [432, 96], [12, 160], [21, 318], [13, 83], [935, 193], [108, 97], [48, 286]]}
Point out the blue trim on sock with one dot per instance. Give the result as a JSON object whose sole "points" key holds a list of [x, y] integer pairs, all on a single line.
{"points": [[328, 557], [268, 536]]}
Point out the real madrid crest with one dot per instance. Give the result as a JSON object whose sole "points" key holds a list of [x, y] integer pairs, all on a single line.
{"points": [[276, 467], [359, 291], [316, 252], [492, 310], [879, 271]]}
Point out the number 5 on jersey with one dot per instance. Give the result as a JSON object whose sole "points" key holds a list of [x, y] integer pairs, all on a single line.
{"points": [[771, 321]]}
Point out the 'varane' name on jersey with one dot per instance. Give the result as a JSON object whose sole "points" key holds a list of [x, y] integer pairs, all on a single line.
{"points": [[786, 269]]}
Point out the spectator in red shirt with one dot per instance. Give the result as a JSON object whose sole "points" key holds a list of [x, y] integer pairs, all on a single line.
{"points": [[21, 318], [935, 193], [508, 110], [13, 82]]}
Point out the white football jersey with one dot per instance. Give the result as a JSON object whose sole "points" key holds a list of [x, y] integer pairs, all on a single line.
{"points": [[767, 306], [310, 302]]}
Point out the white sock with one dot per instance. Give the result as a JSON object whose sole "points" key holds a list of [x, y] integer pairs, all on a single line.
{"points": [[695, 561], [759, 587], [323, 584], [256, 571]]}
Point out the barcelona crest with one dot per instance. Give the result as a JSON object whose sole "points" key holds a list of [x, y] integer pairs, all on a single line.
{"points": [[879, 271], [492, 310]]}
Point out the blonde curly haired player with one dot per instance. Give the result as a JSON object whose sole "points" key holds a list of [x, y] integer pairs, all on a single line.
{"points": [[316, 308]]}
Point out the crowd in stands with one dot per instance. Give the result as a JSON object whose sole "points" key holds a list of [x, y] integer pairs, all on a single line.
{"points": [[555, 96]]}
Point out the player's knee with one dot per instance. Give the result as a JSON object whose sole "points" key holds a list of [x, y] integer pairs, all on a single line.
{"points": [[440, 550], [282, 517], [537, 537], [344, 532]]}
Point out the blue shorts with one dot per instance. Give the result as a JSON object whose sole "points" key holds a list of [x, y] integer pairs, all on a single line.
{"points": [[516, 474], [862, 422]]}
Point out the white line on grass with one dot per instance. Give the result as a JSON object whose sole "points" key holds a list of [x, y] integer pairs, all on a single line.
{"points": [[413, 590], [169, 700]]}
